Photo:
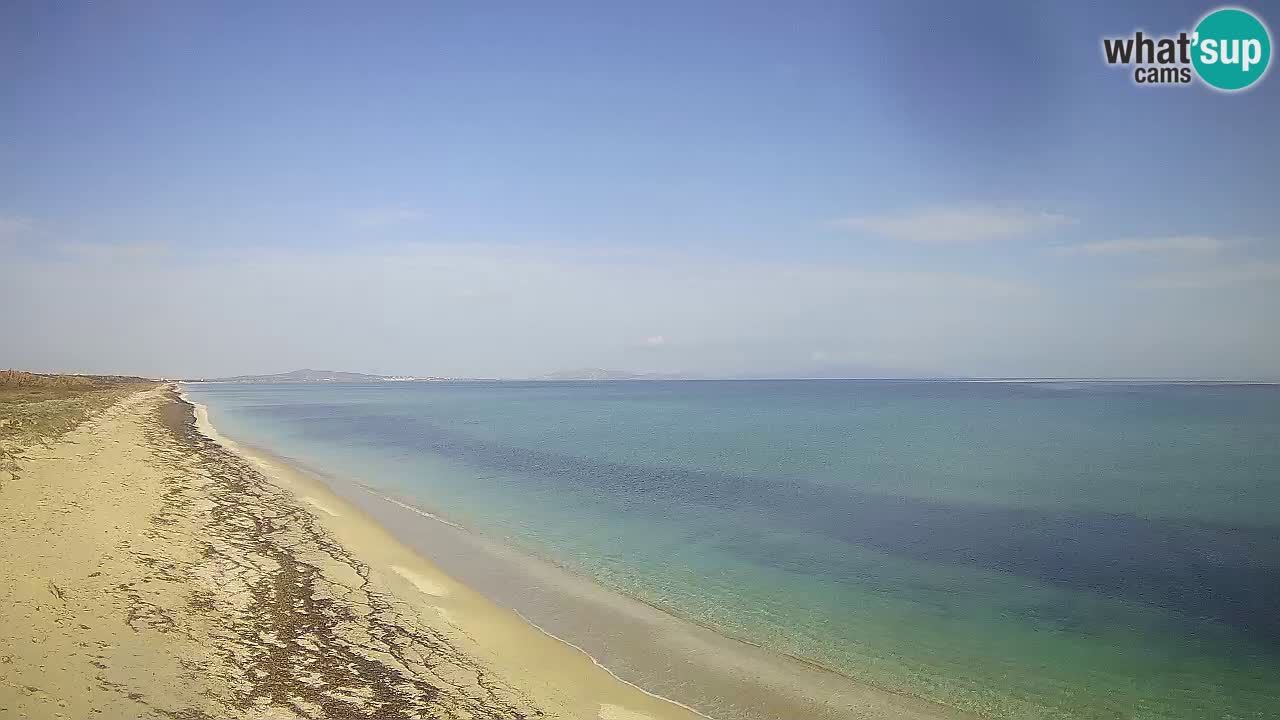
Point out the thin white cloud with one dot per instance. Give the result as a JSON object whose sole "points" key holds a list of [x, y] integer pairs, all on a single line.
{"points": [[1258, 271], [15, 232], [30, 236], [498, 264], [808, 280], [953, 224], [384, 217], [13, 227], [652, 342], [1179, 244], [114, 251]]}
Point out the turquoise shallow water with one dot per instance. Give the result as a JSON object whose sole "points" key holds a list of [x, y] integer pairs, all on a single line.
{"points": [[1014, 549]]}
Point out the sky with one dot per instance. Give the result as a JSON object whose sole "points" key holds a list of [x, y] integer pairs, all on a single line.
{"points": [[722, 189]]}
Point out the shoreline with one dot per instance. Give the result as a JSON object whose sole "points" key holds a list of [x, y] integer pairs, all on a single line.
{"points": [[479, 614], [559, 567], [740, 679], [151, 573]]}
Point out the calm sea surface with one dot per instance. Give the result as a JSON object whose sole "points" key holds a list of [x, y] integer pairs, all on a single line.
{"points": [[1019, 550]]}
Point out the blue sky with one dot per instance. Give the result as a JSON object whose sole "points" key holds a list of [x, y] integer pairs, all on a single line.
{"points": [[714, 188]]}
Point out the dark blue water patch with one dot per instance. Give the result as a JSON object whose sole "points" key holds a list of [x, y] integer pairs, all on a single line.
{"points": [[1199, 570]]}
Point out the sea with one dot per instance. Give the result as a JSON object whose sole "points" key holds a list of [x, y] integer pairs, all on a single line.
{"points": [[1007, 549]]}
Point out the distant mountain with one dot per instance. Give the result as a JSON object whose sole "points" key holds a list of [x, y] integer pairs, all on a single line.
{"points": [[310, 376], [850, 371], [601, 375]]}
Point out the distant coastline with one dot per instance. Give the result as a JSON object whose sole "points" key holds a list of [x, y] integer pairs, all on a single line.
{"points": [[311, 376], [603, 375]]}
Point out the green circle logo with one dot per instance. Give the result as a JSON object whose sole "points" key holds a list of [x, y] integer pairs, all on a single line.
{"points": [[1231, 49]]}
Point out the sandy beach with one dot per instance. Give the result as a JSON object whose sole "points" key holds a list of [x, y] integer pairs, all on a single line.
{"points": [[152, 572]]}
